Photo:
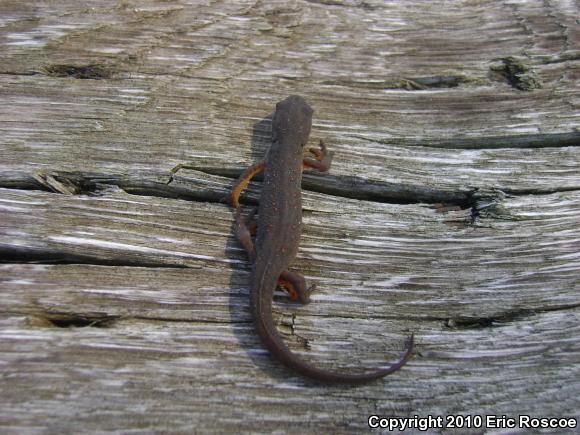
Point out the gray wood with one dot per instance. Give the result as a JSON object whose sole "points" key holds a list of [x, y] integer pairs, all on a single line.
{"points": [[452, 210]]}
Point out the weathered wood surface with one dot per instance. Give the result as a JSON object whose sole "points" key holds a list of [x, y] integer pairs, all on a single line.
{"points": [[452, 210]]}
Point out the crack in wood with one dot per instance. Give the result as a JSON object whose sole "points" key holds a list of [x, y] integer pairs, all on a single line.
{"points": [[73, 320], [420, 83], [481, 201], [344, 186], [544, 140], [16, 254], [85, 72], [516, 73], [502, 319]]}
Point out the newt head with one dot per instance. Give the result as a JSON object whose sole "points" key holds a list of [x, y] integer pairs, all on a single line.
{"points": [[292, 121]]}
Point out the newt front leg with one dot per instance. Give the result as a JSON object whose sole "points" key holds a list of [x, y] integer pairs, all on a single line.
{"points": [[321, 161]]}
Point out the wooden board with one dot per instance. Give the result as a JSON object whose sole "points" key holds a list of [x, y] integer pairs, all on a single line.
{"points": [[451, 211]]}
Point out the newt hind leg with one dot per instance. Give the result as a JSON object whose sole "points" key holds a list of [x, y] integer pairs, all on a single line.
{"points": [[291, 282], [244, 230], [295, 285]]}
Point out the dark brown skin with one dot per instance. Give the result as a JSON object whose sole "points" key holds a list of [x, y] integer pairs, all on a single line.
{"points": [[278, 236]]}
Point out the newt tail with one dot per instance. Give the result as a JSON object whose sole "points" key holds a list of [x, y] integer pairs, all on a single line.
{"points": [[261, 305]]}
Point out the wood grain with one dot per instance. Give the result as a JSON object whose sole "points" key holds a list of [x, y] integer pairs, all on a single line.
{"points": [[451, 211]]}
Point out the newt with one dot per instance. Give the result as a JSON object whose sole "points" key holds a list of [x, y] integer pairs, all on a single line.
{"points": [[278, 234]]}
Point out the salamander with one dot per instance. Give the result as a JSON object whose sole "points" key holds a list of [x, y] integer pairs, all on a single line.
{"points": [[278, 234]]}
